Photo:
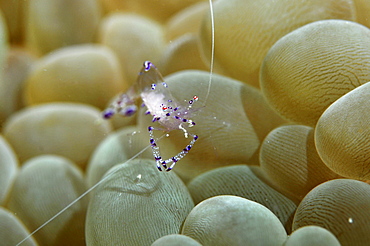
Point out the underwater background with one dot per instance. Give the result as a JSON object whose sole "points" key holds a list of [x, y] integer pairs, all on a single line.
{"points": [[275, 91]]}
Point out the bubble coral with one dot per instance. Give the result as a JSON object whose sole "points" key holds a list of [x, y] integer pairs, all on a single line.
{"points": [[115, 149], [88, 73], [154, 9], [12, 229], [136, 205], [342, 135], [176, 240], [246, 29], [289, 158], [51, 24], [134, 39], [232, 220], [240, 181], [312, 236], [341, 206], [43, 187], [8, 168], [68, 129], [15, 72], [313, 66]]}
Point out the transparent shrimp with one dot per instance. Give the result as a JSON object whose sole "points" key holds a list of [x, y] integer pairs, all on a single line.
{"points": [[125, 104], [165, 110]]}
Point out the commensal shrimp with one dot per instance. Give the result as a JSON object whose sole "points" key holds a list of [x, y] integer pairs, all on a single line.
{"points": [[153, 91], [169, 113]]}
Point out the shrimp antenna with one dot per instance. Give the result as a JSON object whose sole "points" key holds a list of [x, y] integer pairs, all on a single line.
{"points": [[212, 49], [80, 197]]}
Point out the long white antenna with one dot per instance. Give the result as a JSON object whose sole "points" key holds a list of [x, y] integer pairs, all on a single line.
{"points": [[212, 49], [140, 152], [80, 197]]}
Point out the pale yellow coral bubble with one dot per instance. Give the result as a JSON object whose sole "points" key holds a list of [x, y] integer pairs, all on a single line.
{"points": [[341, 206], [362, 12], [16, 70], [13, 12], [232, 220], [134, 39], [136, 205], [88, 73], [289, 158], [67, 129], [311, 67], [12, 230], [43, 187], [186, 21], [342, 134], [176, 240], [8, 168], [312, 236], [154, 9], [182, 53], [51, 24], [246, 29], [4, 46], [115, 149], [240, 180]]}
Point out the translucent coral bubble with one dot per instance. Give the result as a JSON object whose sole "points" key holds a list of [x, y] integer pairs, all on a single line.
{"points": [[43, 187], [312, 236], [115, 149], [136, 205], [231, 121], [88, 73], [182, 53], [341, 206], [12, 231], [186, 21], [157, 10], [13, 12], [311, 67], [3, 41], [289, 158], [134, 39], [52, 24], [246, 29], [67, 129], [15, 72], [176, 240], [232, 220], [342, 134], [241, 181], [8, 168], [362, 10]]}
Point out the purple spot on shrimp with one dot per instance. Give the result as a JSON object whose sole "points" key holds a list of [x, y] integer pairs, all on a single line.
{"points": [[147, 65], [195, 137], [108, 113]]}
